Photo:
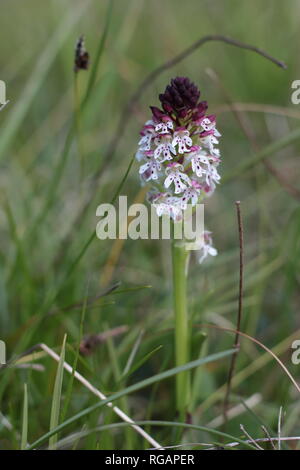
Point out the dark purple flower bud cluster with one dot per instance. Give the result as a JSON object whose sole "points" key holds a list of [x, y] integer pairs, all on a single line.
{"points": [[82, 58], [180, 95]]}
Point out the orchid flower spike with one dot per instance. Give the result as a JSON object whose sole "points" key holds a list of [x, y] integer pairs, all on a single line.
{"points": [[178, 153]]}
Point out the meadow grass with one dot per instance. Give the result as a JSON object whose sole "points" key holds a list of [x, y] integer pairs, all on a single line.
{"points": [[53, 268]]}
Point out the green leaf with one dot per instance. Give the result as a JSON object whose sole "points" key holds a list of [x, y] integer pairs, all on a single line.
{"points": [[140, 362], [55, 409], [25, 420]]}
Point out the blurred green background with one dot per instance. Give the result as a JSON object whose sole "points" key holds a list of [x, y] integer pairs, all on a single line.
{"points": [[43, 191]]}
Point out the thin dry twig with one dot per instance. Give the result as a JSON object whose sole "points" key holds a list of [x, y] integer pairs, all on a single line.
{"points": [[98, 393], [235, 411], [268, 436], [231, 330], [250, 438], [233, 444], [240, 310], [67, 441]]}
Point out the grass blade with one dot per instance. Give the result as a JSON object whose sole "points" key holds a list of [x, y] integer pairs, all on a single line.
{"points": [[140, 362], [55, 409], [133, 353], [68, 440], [25, 420], [99, 53]]}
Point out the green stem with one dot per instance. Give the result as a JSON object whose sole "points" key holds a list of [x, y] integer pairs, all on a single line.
{"points": [[182, 336], [77, 112]]}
